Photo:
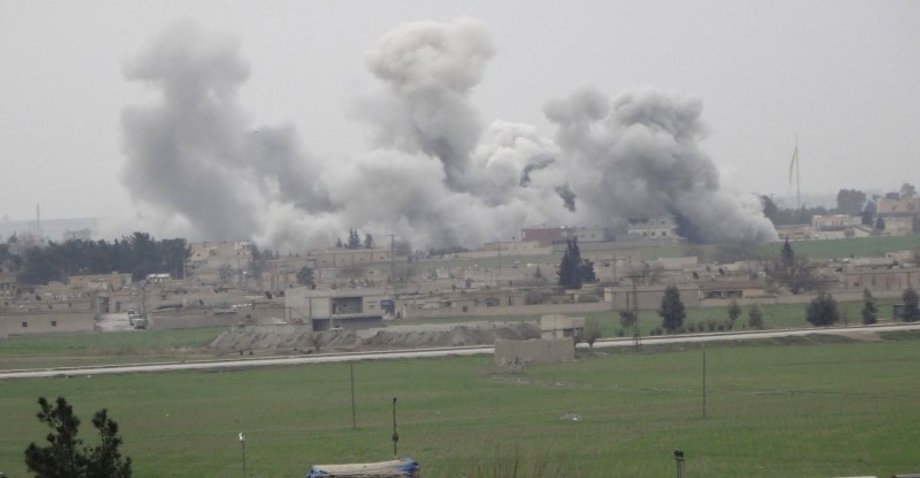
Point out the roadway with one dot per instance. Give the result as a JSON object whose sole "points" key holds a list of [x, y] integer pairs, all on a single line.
{"points": [[433, 352]]}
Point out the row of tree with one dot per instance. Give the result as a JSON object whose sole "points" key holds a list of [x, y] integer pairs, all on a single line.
{"points": [[852, 202], [821, 311], [138, 254]]}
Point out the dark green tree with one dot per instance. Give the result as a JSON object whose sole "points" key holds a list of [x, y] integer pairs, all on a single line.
{"points": [[850, 201], [755, 317], [627, 318], [65, 456], [869, 310], [868, 214], [573, 270], [354, 240], [305, 276], [911, 308], [822, 310], [368, 241], [672, 311], [592, 332], [880, 223], [734, 311], [908, 190]]}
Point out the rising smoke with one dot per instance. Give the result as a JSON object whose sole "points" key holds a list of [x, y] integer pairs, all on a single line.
{"points": [[434, 174]]}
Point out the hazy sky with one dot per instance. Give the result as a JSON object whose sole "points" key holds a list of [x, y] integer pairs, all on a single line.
{"points": [[844, 76]]}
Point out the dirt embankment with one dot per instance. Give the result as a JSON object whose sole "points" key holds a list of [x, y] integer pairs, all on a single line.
{"points": [[298, 338]]}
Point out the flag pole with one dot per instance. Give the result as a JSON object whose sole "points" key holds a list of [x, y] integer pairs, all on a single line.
{"points": [[798, 180]]}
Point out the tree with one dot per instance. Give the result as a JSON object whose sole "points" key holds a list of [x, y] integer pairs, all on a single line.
{"points": [[354, 240], [880, 223], [755, 317], [791, 271], [822, 310], [911, 309], [869, 310], [908, 190], [734, 311], [627, 318], [368, 241], [573, 270], [672, 311], [66, 457], [305, 276], [850, 201], [868, 214], [592, 332]]}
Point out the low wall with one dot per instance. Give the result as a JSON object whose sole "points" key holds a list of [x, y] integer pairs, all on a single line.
{"points": [[503, 311], [191, 321], [30, 323], [511, 352]]}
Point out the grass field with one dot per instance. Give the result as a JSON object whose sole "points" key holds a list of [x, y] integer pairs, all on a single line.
{"points": [[800, 409], [65, 350], [69, 350]]}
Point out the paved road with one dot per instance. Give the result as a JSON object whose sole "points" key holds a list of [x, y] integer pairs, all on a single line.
{"points": [[439, 352]]}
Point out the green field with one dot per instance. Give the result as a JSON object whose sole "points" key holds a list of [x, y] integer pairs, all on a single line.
{"points": [[70, 350], [801, 409]]}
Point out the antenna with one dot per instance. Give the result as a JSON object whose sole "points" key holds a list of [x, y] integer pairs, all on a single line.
{"points": [[798, 180]]}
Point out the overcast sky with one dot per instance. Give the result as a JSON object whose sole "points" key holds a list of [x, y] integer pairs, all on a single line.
{"points": [[842, 75]]}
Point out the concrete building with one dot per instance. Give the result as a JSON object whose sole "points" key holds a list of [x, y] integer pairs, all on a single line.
{"points": [[587, 235], [521, 352], [332, 258], [658, 228], [345, 308], [560, 326], [898, 206], [834, 222], [545, 235], [737, 289], [99, 282], [882, 279], [900, 225]]}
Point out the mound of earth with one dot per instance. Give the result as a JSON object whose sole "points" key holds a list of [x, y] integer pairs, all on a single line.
{"points": [[299, 338]]}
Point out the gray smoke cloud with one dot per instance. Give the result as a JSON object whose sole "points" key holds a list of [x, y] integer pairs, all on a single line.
{"points": [[638, 155], [434, 174]]}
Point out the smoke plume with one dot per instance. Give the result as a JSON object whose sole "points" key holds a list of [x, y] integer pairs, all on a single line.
{"points": [[434, 174]]}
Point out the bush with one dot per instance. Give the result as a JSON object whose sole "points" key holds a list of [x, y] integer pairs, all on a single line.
{"points": [[822, 310], [911, 306], [755, 317]]}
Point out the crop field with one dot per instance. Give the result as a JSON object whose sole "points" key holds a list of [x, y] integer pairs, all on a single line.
{"points": [[68, 350], [802, 407]]}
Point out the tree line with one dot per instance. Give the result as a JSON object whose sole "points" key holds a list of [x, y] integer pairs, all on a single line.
{"points": [[138, 254]]}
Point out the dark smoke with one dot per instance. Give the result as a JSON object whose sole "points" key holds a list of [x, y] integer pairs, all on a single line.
{"points": [[568, 197]]}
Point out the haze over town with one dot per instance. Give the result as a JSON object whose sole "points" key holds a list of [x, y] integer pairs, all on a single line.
{"points": [[321, 114]]}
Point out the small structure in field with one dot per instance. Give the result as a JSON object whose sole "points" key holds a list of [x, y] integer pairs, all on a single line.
{"points": [[401, 468]]}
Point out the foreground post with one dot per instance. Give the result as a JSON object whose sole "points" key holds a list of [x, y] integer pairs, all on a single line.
{"points": [[679, 460], [243, 449], [395, 435]]}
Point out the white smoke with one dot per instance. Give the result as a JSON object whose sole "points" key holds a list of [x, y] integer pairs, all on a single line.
{"points": [[434, 176]]}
